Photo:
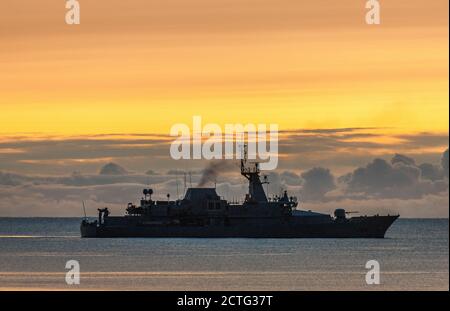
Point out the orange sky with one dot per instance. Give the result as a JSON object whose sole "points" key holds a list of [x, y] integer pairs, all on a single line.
{"points": [[141, 66]]}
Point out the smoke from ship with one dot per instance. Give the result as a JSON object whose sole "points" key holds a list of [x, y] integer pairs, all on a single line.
{"points": [[213, 170]]}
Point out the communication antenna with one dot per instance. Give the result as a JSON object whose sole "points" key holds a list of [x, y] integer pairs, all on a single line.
{"points": [[84, 210], [243, 157], [245, 152], [266, 181], [176, 180]]}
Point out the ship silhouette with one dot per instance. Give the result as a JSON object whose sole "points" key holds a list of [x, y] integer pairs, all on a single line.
{"points": [[202, 213]]}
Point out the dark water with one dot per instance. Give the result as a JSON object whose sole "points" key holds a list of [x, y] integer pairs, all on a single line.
{"points": [[34, 251]]}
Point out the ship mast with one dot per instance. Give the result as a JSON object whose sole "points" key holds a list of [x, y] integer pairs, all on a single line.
{"points": [[251, 171]]}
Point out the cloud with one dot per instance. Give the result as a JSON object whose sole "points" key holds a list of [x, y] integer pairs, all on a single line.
{"points": [[399, 158], [444, 162], [290, 178], [337, 149], [390, 183], [330, 130], [151, 172], [317, 182], [424, 139], [431, 172], [112, 169], [401, 179], [60, 200], [9, 179], [77, 179]]}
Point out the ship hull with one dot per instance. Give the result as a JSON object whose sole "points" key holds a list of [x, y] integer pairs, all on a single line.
{"points": [[356, 227]]}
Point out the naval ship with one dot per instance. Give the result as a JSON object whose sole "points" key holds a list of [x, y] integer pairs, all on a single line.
{"points": [[202, 213]]}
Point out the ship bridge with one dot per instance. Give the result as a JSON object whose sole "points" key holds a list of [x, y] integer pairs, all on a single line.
{"points": [[199, 194]]}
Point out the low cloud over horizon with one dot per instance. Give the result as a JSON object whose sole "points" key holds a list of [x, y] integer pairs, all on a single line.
{"points": [[408, 182]]}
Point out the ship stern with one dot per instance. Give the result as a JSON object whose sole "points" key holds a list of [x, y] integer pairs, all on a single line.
{"points": [[88, 230]]}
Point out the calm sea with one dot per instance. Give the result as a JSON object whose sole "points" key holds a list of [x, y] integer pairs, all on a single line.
{"points": [[34, 251]]}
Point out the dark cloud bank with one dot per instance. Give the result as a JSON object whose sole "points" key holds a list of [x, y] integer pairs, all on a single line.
{"points": [[397, 186]]}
